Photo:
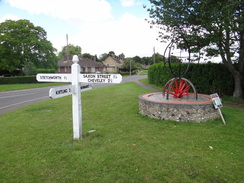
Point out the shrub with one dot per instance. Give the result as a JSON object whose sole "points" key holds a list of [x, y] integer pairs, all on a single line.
{"points": [[124, 73], [207, 78], [18, 80], [46, 70]]}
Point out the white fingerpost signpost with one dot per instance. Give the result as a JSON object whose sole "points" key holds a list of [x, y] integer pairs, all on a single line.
{"points": [[76, 78]]}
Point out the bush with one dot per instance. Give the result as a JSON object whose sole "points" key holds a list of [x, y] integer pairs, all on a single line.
{"points": [[46, 70], [124, 73], [207, 78], [18, 80]]}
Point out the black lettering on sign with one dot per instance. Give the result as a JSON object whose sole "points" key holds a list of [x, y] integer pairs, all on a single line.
{"points": [[85, 86], [51, 77], [96, 80], [103, 76], [89, 76], [61, 91]]}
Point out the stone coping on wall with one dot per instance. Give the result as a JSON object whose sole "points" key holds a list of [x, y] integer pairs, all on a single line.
{"points": [[188, 100]]}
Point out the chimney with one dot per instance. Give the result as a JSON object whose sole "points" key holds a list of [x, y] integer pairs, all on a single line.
{"points": [[94, 58]]}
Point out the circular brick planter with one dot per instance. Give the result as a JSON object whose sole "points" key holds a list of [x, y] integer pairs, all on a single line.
{"points": [[186, 110]]}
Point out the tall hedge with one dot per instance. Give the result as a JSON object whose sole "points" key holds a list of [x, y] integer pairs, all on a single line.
{"points": [[24, 79], [18, 80], [46, 70], [207, 78]]}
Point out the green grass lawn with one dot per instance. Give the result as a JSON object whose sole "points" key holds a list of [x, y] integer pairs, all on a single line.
{"points": [[144, 72], [37, 146]]}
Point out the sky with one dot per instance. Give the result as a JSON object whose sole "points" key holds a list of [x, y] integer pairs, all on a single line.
{"points": [[97, 26]]}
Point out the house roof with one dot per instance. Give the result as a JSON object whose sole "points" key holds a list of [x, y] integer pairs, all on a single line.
{"points": [[83, 62], [116, 60]]}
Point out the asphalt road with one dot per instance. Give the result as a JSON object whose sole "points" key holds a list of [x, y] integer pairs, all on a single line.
{"points": [[11, 100]]}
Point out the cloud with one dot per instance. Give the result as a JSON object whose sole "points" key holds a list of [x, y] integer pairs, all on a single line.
{"points": [[73, 11], [129, 35], [91, 26], [9, 17], [127, 3]]}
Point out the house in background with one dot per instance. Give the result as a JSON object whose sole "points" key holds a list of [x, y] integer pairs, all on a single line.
{"points": [[112, 64], [86, 64]]}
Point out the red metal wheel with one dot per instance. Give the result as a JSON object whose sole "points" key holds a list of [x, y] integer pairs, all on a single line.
{"points": [[178, 88]]}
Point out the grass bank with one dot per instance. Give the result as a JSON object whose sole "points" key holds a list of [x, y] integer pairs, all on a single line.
{"points": [[37, 145]]}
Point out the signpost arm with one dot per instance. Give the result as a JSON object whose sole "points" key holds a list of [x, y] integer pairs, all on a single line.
{"points": [[76, 99]]}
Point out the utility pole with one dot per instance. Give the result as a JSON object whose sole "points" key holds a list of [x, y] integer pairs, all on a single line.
{"points": [[130, 66], [67, 49], [154, 54]]}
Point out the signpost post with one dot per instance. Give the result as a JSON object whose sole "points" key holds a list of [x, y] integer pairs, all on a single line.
{"points": [[76, 99], [76, 78]]}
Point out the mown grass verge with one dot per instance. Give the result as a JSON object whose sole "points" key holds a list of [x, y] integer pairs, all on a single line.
{"points": [[37, 145]]}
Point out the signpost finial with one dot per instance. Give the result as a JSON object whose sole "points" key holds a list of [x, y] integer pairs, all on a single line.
{"points": [[75, 59]]}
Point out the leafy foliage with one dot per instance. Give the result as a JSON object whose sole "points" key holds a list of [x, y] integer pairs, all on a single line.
{"points": [[103, 56], [18, 80], [46, 70], [217, 26], [130, 64], [71, 49], [29, 69], [207, 78], [22, 42]]}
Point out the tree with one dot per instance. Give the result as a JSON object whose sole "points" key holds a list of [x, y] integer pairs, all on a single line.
{"points": [[130, 63], [217, 26], [158, 58], [112, 54], [30, 69], [88, 55], [146, 60], [103, 56], [69, 50], [22, 42], [137, 59], [121, 56]]}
